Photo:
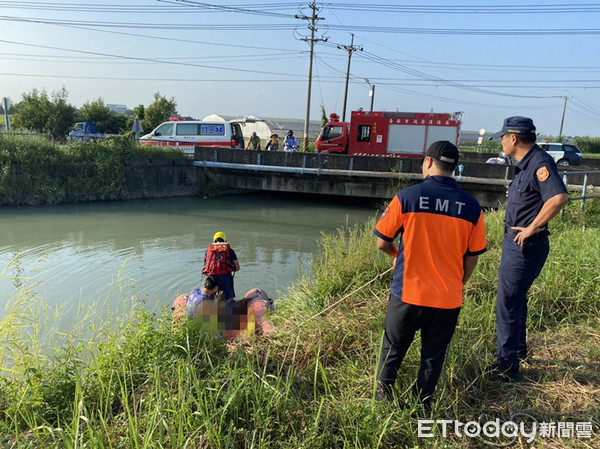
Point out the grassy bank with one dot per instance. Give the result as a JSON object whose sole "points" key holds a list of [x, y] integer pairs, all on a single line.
{"points": [[135, 382], [35, 171]]}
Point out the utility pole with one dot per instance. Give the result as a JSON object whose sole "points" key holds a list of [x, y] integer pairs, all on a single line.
{"points": [[6, 106], [350, 49], [562, 120], [371, 92], [312, 27], [372, 95]]}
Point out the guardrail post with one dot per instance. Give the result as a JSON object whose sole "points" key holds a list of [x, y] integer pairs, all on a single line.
{"points": [[351, 166], [401, 167], [565, 180], [304, 163], [584, 191], [215, 157], [258, 159]]}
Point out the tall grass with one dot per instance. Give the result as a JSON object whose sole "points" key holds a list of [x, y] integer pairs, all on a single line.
{"points": [[35, 171], [138, 382]]}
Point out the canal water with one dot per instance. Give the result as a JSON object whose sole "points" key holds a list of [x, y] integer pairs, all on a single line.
{"points": [[101, 254]]}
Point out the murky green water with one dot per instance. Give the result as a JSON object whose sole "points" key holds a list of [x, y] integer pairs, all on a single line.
{"points": [[152, 250]]}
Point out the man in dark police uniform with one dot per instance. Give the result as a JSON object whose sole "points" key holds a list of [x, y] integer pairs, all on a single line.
{"points": [[535, 196], [441, 235]]}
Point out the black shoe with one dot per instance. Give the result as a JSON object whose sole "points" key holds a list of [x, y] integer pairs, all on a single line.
{"points": [[384, 392], [505, 375]]}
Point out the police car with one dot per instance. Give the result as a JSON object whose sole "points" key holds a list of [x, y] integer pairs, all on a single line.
{"points": [[564, 154], [502, 159]]}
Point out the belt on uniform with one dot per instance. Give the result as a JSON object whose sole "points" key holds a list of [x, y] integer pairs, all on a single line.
{"points": [[514, 232]]}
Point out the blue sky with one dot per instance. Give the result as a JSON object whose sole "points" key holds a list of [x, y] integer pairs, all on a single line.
{"points": [[489, 59]]}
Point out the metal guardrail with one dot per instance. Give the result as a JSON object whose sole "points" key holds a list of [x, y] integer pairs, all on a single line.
{"points": [[302, 170], [318, 171], [258, 167], [584, 187]]}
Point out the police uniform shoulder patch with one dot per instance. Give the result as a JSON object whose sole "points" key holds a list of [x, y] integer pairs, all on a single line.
{"points": [[542, 174], [384, 212]]}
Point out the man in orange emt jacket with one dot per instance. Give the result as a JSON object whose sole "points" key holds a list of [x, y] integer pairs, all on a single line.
{"points": [[441, 233], [220, 260]]}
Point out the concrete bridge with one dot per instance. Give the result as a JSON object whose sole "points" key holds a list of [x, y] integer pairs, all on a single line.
{"points": [[336, 174], [353, 176]]}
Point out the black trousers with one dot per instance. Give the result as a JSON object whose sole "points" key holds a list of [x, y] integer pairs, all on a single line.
{"points": [[402, 321]]}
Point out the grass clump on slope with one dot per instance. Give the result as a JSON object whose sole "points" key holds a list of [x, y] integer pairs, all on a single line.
{"points": [[137, 382]]}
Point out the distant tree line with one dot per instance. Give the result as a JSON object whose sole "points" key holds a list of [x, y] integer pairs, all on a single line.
{"points": [[41, 112]]}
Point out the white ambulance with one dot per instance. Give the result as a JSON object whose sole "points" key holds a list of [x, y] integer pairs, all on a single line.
{"points": [[186, 134]]}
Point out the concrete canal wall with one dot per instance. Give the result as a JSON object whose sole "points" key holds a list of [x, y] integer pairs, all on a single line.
{"points": [[160, 178], [234, 171]]}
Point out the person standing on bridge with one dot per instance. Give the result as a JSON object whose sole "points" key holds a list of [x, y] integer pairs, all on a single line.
{"points": [[442, 234], [220, 260], [289, 142], [253, 142], [273, 143], [535, 196]]}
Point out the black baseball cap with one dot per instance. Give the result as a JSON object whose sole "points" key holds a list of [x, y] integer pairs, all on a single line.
{"points": [[521, 126], [443, 151]]}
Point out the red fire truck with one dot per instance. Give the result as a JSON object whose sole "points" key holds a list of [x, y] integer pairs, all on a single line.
{"points": [[403, 134]]}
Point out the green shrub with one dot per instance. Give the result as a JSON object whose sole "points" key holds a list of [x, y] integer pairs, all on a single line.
{"points": [[38, 172], [588, 144], [27, 165]]}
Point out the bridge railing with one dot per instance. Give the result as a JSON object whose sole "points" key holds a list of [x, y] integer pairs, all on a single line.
{"points": [[585, 186]]}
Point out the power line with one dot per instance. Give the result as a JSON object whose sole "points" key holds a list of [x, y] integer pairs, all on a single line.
{"points": [[290, 26], [470, 9], [155, 25], [111, 60], [194, 80], [470, 31], [136, 58], [585, 105], [235, 9], [255, 8], [450, 83], [177, 7], [171, 39]]}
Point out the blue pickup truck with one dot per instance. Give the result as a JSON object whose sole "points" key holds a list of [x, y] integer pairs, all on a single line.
{"points": [[85, 132]]}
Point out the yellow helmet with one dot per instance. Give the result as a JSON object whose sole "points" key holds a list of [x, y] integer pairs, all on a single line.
{"points": [[220, 235]]}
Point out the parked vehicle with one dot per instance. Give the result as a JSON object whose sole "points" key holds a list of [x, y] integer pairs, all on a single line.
{"points": [[405, 134], [564, 154], [501, 159], [85, 132], [186, 134]]}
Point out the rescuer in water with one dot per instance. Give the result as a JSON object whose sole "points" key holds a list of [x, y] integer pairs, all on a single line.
{"points": [[220, 260]]}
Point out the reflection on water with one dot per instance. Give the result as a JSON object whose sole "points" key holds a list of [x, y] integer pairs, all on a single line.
{"points": [[76, 252]]}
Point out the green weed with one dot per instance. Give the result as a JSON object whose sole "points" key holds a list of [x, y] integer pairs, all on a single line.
{"points": [[135, 380]]}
